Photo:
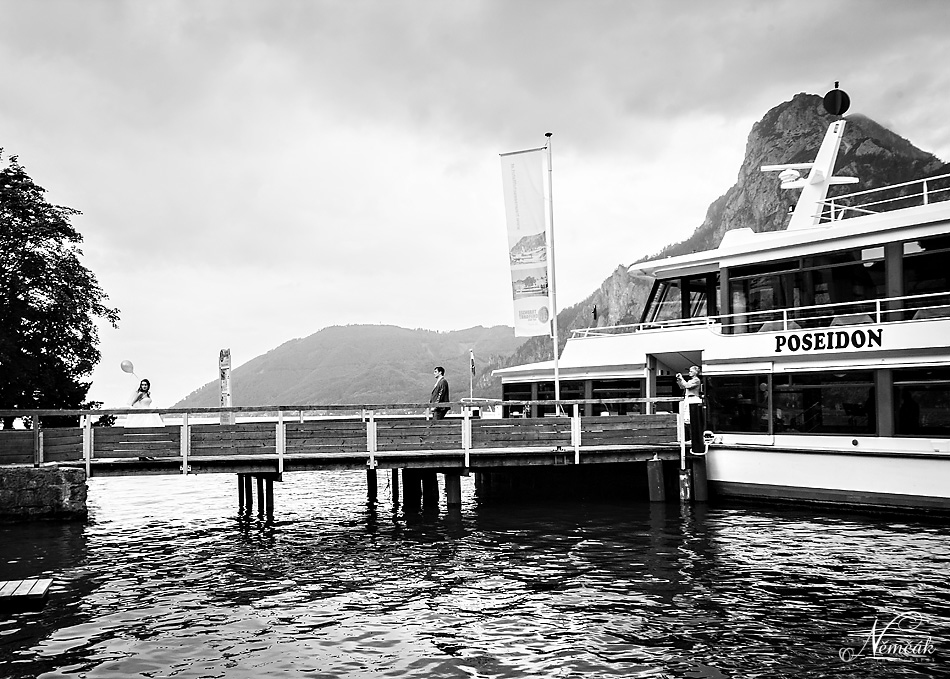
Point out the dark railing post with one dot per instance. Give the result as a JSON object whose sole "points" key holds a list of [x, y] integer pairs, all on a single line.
{"points": [[37, 441]]}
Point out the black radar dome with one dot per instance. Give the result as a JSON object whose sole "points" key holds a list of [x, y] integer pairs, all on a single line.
{"points": [[837, 101]]}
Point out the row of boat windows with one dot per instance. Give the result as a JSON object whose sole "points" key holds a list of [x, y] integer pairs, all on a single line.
{"points": [[582, 389], [832, 403], [828, 403], [842, 277]]}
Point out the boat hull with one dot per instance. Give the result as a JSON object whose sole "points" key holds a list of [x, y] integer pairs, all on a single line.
{"points": [[878, 480]]}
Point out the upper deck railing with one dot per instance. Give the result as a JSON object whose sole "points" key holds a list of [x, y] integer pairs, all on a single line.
{"points": [[887, 198], [904, 309]]}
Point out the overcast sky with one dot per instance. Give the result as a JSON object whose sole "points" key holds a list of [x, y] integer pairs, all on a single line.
{"points": [[250, 172]]}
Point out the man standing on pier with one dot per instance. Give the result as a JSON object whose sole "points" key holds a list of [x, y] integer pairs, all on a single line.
{"points": [[440, 392]]}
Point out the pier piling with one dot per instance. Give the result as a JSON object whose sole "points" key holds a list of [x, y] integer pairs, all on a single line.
{"points": [[655, 480], [371, 490], [686, 486], [700, 493], [269, 497], [453, 489], [412, 489], [430, 489]]}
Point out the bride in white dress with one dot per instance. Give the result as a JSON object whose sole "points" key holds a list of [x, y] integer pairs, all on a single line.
{"points": [[142, 398]]}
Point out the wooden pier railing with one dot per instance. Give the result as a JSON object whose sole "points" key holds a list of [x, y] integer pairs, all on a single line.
{"points": [[279, 438]]}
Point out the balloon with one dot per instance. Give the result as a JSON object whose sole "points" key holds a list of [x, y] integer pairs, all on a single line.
{"points": [[127, 366]]}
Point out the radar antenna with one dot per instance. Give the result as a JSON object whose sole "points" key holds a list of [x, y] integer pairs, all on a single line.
{"points": [[809, 209]]}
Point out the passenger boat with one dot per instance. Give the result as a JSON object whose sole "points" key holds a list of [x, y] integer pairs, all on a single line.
{"points": [[824, 348]]}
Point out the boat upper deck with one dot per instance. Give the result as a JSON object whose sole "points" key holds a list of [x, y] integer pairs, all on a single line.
{"points": [[895, 212]]}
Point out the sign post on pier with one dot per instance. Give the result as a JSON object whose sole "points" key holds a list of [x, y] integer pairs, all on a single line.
{"points": [[224, 373]]}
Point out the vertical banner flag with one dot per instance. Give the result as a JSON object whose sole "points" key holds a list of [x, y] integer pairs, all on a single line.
{"points": [[523, 180], [472, 354], [224, 373]]}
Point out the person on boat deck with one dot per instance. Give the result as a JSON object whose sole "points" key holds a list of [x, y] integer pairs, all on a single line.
{"points": [[691, 385], [142, 398], [692, 408], [440, 392]]}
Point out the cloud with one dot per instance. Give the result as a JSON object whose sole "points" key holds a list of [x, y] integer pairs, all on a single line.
{"points": [[254, 171]]}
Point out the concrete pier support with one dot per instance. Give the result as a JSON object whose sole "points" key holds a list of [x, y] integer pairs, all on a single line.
{"points": [[42, 493], [453, 489], [655, 480], [371, 489]]}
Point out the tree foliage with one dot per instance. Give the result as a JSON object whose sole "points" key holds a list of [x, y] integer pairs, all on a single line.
{"points": [[49, 301]]}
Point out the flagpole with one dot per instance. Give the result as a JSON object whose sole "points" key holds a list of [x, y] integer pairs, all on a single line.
{"points": [[551, 281]]}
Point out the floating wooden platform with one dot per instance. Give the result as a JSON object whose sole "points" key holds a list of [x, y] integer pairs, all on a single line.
{"points": [[29, 594]]}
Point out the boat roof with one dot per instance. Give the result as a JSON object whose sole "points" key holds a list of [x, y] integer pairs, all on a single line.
{"points": [[744, 246]]}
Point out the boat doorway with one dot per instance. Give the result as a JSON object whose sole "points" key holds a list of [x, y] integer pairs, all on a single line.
{"points": [[661, 375]]}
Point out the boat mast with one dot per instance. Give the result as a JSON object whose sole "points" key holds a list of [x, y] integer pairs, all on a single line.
{"points": [[810, 208]]}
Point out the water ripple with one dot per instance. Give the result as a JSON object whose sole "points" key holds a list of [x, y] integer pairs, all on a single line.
{"points": [[168, 581]]}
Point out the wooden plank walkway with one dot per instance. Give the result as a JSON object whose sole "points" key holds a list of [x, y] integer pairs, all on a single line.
{"points": [[369, 441], [29, 594]]}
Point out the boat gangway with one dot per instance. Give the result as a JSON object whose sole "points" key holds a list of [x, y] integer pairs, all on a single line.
{"points": [[267, 441]]}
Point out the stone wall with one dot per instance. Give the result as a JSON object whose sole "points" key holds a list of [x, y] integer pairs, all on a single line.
{"points": [[47, 492]]}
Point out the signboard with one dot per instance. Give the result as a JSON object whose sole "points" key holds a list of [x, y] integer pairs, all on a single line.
{"points": [[224, 373], [523, 181]]}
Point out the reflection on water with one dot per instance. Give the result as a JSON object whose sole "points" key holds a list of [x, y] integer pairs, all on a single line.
{"points": [[168, 580]]}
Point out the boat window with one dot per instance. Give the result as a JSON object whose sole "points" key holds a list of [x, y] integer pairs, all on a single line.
{"points": [[570, 390], [846, 278], [667, 302], [666, 299], [801, 403], [520, 391], [922, 402], [781, 266], [617, 389], [925, 266], [698, 296], [825, 403], [738, 403]]}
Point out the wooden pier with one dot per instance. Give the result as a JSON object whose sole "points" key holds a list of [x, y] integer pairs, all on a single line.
{"points": [[272, 440], [24, 595]]}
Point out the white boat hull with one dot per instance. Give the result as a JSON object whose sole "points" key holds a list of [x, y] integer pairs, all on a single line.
{"points": [[884, 480]]}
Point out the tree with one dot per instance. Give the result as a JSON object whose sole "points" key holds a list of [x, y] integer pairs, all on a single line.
{"points": [[49, 301]]}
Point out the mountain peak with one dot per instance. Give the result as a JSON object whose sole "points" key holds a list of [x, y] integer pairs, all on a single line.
{"points": [[362, 364]]}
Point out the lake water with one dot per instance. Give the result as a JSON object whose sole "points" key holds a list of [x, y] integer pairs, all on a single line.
{"points": [[167, 580]]}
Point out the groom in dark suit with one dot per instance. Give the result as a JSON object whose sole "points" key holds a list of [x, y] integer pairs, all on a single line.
{"points": [[440, 392]]}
